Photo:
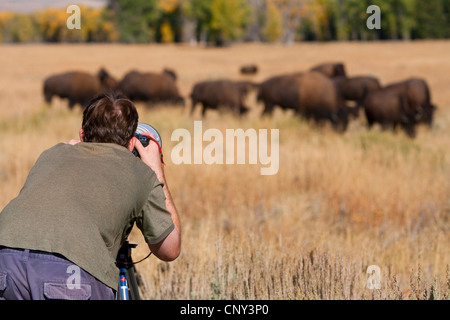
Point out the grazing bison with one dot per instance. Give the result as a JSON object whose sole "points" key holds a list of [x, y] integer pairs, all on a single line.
{"points": [[249, 69], [331, 70], [311, 94], [356, 88], [320, 100], [150, 87], [279, 91], [418, 98], [389, 109], [76, 86], [221, 93]]}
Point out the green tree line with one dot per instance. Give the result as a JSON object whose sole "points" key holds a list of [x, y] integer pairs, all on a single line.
{"points": [[223, 21]]}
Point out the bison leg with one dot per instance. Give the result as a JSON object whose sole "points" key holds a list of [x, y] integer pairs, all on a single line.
{"points": [[339, 120], [344, 124], [48, 98], [370, 121], [151, 103], [72, 104], [354, 111], [340, 124], [243, 110], [268, 109], [180, 101], [194, 103], [204, 110], [386, 125]]}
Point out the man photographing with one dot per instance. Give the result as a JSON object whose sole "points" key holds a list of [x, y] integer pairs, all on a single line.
{"points": [[78, 206]]}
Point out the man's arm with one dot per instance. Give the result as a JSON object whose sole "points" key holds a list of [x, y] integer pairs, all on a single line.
{"points": [[169, 248]]}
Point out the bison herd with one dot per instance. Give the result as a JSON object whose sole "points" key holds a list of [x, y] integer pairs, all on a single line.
{"points": [[322, 93], [80, 87]]}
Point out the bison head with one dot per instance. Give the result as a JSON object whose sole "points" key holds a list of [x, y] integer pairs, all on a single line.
{"points": [[106, 80]]}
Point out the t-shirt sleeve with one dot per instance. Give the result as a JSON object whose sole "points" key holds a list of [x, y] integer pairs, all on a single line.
{"points": [[155, 221]]}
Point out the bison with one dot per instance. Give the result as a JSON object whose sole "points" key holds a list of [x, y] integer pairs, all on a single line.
{"points": [[356, 88], [250, 69], [77, 86], [280, 90], [150, 87], [418, 98], [320, 100], [331, 70], [310, 94], [389, 109], [213, 94]]}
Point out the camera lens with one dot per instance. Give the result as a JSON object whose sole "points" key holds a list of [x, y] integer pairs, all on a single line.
{"points": [[140, 134], [146, 128]]}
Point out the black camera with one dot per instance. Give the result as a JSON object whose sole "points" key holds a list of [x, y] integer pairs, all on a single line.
{"points": [[144, 140], [146, 128]]}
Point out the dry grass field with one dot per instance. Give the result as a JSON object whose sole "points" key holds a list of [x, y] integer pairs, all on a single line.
{"points": [[338, 204]]}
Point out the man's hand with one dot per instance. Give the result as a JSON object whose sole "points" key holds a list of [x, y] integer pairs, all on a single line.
{"points": [[150, 155]]}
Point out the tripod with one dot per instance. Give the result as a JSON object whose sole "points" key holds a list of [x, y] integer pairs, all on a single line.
{"points": [[128, 281]]}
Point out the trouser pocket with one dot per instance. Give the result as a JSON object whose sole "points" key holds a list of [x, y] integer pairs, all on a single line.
{"points": [[61, 291]]}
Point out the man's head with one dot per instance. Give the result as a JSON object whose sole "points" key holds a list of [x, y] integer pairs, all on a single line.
{"points": [[109, 118]]}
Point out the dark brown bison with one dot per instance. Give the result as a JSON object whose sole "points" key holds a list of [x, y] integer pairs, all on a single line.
{"points": [[213, 94], [320, 100], [149, 87], [356, 88], [418, 98], [389, 109], [249, 69], [311, 95], [280, 90], [76, 86], [331, 70]]}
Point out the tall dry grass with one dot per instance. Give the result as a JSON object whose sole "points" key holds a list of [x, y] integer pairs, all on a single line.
{"points": [[338, 204]]}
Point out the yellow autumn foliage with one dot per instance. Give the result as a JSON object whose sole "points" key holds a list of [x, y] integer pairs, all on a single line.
{"points": [[167, 34], [51, 25], [168, 6]]}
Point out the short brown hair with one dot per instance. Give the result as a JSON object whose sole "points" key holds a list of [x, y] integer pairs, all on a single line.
{"points": [[110, 118]]}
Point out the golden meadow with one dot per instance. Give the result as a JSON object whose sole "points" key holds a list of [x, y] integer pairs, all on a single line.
{"points": [[338, 204]]}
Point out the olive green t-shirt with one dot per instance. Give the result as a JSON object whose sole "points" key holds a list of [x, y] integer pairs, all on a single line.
{"points": [[81, 201]]}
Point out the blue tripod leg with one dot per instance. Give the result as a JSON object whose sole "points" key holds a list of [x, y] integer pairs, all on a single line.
{"points": [[123, 284]]}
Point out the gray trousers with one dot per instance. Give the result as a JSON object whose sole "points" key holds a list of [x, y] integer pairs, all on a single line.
{"points": [[36, 275]]}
